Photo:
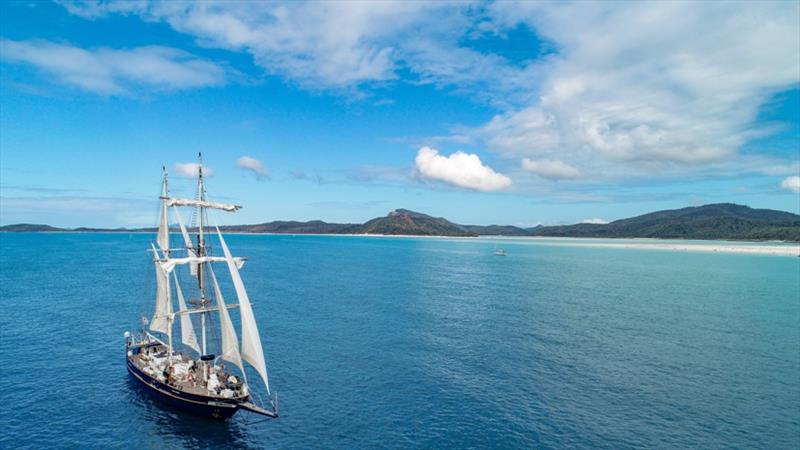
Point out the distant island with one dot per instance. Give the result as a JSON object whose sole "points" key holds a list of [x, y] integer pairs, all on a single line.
{"points": [[721, 221]]}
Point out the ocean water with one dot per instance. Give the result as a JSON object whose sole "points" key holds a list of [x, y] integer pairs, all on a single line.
{"points": [[420, 343]]}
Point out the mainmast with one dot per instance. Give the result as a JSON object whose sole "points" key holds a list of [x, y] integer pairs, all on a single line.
{"points": [[201, 249]]}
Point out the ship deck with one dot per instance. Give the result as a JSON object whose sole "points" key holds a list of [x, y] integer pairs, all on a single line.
{"points": [[152, 361]]}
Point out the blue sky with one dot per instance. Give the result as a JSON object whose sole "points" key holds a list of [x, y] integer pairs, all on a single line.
{"points": [[480, 112]]}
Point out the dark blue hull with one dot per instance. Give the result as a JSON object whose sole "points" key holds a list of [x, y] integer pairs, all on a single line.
{"points": [[196, 404]]}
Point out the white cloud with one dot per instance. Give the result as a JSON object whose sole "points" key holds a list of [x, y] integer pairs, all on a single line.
{"points": [[460, 169], [550, 169], [253, 165], [791, 184], [114, 71], [661, 87], [632, 90], [341, 45], [317, 44], [191, 170], [595, 221]]}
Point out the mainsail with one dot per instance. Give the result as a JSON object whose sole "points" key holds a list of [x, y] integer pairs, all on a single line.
{"points": [[230, 343], [251, 341], [187, 329]]}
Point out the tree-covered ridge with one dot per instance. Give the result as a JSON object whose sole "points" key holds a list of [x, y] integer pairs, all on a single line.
{"points": [[716, 221]]}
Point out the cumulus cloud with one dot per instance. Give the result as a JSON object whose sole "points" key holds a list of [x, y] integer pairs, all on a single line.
{"points": [[114, 71], [552, 170], [253, 165], [191, 170], [791, 184], [595, 221], [460, 169]]}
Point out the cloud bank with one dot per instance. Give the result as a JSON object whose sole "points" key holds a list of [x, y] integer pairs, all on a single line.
{"points": [[459, 169], [253, 165], [110, 71]]}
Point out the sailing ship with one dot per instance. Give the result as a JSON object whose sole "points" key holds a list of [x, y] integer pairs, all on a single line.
{"points": [[192, 378]]}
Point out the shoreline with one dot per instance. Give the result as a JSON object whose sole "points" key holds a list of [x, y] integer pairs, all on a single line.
{"points": [[774, 248]]}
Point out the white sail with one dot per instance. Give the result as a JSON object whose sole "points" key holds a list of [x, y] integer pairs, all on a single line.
{"points": [[188, 242], [251, 341], [160, 321], [187, 329], [168, 265], [230, 343], [163, 220], [202, 204]]}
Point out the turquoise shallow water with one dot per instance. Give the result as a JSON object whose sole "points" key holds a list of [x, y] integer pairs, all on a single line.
{"points": [[421, 343]]}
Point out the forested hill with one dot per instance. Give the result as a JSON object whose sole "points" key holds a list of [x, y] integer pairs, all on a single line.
{"points": [[716, 221]]}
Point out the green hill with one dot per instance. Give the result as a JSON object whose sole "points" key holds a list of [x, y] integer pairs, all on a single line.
{"points": [[405, 222], [29, 227], [293, 227], [496, 230], [715, 221]]}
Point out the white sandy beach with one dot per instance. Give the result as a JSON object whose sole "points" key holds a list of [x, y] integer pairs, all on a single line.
{"points": [[700, 246], [753, 248]]}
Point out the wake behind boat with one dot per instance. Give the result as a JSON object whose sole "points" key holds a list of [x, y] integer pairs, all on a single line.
{"points": [[194, 379]]}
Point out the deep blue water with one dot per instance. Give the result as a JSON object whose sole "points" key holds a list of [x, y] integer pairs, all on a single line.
{"points": [[420, 343]]}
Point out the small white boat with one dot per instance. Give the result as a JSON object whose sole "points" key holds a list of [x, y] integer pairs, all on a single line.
{"points": [[499, 252]]}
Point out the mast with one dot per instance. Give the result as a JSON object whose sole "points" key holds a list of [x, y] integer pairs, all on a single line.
{"points": [[163, 242], [201, 249], [170, 318]]}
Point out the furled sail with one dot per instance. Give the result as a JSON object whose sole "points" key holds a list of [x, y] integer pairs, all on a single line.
{"points": [[230, 343], [202, 204], [168, 265], [163, 220], [251, 341], [187, 329], [160, 321]]}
